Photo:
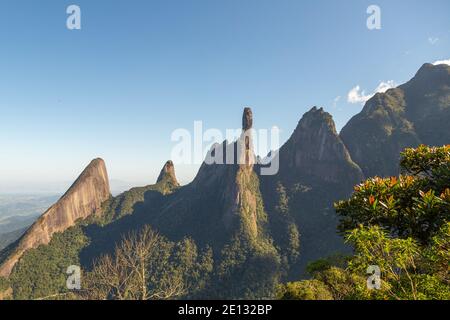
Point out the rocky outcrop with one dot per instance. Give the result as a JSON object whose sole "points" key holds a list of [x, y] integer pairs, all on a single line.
{"points": [[315, 169], [168, 174], [413, 113], [246, 152], [247, 119], [316, 152], [83, 199], [211, 207]]}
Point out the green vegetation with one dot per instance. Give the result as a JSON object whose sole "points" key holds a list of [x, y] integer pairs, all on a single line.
{"points": [[4, 284], [250, 265], [304, 290], [146, 266], [415, 205], [285, 231], [41, 272], [125, 204], [409, 115], [398, 224]]}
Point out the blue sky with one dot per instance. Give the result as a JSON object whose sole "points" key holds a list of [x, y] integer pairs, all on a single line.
{"points": [[138, 70]]}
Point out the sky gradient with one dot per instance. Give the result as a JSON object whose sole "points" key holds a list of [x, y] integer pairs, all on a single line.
{"points": [[138, 70]]}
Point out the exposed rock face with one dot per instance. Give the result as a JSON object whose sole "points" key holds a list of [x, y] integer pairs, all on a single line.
{"points": [[245, 147], [216, 195], [168, 173], [247, 119], [84, 198], [315, 169], [414, 113], [315, 150]]}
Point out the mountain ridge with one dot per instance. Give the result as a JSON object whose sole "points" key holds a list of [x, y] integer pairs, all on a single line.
{"points": [[399, 118], [265, 228], [81, 200]]}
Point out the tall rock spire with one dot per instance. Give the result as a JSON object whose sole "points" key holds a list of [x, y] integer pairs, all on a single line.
{"points": [[245, 143], [83, 199], [247, 119]]}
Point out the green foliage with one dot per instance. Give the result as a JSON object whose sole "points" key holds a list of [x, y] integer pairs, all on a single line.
{"points": [[284, 229], [330, 283], [147, 266], [246, 271], [41, 272], [400, 225], [4, 284], [409, 206], [283, 200], [425, 160], [336, 260], [408, 270], [344, 285], [125, 203], [250, 264], [192, 266], [304, 290]]}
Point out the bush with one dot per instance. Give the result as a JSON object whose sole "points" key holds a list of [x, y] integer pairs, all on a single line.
{"points": [[304, 290]]}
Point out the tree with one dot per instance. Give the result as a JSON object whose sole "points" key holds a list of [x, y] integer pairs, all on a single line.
{"points": [[146, 266], [304, 290], [414, 205], [408, 270], [399, 224]]}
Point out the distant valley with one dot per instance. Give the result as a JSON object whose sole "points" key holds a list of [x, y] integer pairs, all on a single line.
{"points": [[19, 211]]}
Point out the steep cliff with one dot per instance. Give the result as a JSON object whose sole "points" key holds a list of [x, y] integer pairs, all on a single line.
{"points": [[209, 208], [413, 113], [315, 169], [223, 208], [83, 199], [316, 152]]}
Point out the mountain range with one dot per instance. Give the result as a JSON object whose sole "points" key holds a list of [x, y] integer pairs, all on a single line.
{"points": [[261, 228]]}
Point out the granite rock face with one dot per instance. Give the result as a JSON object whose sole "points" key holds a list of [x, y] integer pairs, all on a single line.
{"points": [[83, 199], [247, 119], [316, 150], [168, 173], [315, 169]]}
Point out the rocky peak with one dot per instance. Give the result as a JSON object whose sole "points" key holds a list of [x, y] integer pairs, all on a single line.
{"points": [[83, 199], [315, 120], [429, 78], [428, 69], [316, 135], [245, 142], [247, 119], [168, 173], [413, 113], [315, 149]]}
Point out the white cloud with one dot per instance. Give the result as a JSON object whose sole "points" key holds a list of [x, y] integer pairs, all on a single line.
{"points": [[433, 40], [356, 95], [385, 86], [335, 101], [442, 62]]}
